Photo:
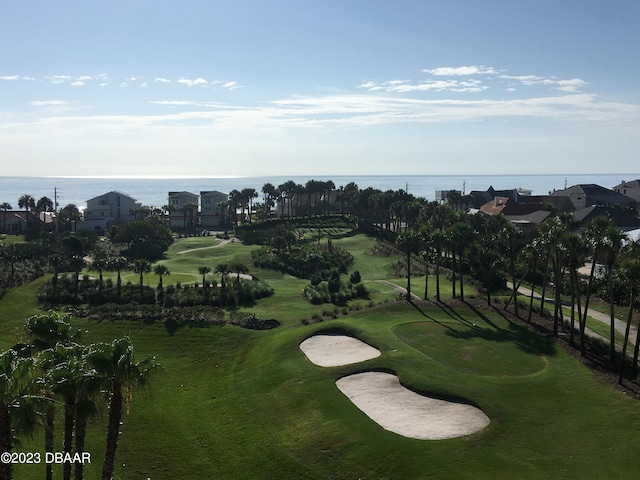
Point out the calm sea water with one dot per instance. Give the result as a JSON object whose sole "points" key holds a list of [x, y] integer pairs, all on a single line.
{"points": [[154, 191]]}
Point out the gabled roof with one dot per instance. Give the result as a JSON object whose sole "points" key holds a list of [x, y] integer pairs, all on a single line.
{"points": [[116, 192], [619, 218], [631, 184], [593, 191]]}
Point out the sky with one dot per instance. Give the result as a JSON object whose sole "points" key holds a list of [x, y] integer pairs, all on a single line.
{"points": [[186, 88]]}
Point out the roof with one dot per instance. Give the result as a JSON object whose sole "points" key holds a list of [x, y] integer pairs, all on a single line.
{"points": [[631, 184], [620, 218], [593, 191], [115, 192]]}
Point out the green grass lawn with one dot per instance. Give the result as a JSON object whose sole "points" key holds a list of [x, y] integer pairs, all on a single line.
{"points": [[241, 404]]}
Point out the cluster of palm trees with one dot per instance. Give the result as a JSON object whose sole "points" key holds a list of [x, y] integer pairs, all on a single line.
{"points": [[551, 256], [53, 371]]}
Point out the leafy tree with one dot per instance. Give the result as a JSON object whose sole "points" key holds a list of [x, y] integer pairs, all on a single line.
{"points": [[630, 268], [147, 239]]}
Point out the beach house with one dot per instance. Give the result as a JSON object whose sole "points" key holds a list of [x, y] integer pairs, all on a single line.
{"points": [[183, 210], [630, 189], [213, 208], [108, 209]]}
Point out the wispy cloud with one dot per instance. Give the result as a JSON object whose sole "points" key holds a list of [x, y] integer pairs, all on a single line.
{"points": [[15, 77], [161, 80], [191, 83], [48, 103], [457, 71], [403, 86]]}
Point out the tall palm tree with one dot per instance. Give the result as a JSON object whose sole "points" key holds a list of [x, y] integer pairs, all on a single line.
{"points": [[161, 271], [118, 264], [45, 331], [27, 202], [594, 236], [222, 269], [203, 270], [408, 242], [17, 414], [141, 266], [119, 372], [630, 268], [612, 244]]}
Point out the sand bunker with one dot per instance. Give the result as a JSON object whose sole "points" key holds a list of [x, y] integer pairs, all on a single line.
{"points": [[337, 350], [397, 409]]}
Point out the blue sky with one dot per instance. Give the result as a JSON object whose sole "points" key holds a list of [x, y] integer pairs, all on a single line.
{"points": [[212, 88]]}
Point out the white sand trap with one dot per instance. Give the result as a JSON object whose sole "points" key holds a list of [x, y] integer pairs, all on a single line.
{"points": [[337, 350], [399, 410]]}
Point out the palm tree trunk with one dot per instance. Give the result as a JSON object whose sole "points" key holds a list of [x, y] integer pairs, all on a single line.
{"points": [[67, 444], [426, 281], [113, 431], [81, 433], [5, 441], [438, 254], [533, 287], [626, 336], [461, 278], [612, 330], [49, 422], [634, 367]]}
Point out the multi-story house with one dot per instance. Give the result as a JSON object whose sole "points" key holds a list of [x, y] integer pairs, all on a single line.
{"points": [[183, 210], [630, 189], [213, 208], [108, 209]]}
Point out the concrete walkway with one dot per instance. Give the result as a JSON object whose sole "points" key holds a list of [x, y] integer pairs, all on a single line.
{"points": [[618, 325]]}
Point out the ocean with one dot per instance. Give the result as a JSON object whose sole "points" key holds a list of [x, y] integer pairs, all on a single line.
{"points": [[153, 192]]}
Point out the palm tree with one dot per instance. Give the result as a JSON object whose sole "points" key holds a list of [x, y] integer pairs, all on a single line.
{"points": [[17, 414], [575, 254], [612, 244], [630, 268], [594, 235], [118, 264], [118, 372], [222, 269], [141, 266], [203, 270], [408, 242], [248, 194], [4, 206], [45, 331], [270, 193], [161, 271], [27, 202]]}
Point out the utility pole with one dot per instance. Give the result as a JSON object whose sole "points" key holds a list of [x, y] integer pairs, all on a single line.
{"points": [[56, 226]]}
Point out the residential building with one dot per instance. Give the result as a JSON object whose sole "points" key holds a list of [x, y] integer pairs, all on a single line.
{"points": [[183, 210], [586, 195], [108, 209], [213, 208], [630, 189], [621, 219], [14, 221]]}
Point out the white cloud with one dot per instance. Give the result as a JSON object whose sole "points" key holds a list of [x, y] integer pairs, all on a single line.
{"points": [[191, 83], [15, 77], [48, 103], [161, 80], [58, 79], [231, 85], [77, 83], [456, 71]]}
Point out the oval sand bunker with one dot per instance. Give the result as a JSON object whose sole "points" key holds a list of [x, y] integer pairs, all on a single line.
{"points": [[337, 350], [397, 409]]}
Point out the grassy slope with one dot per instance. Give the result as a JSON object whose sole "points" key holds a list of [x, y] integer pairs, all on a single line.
{"points": [[242, 404]]}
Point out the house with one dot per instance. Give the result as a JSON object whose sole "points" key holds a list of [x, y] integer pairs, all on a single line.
{"points": [[213, 208], [14, 222], [108, 209], [621, 219], [527, 216], [183, 210], [586, 195], [630, 189]]}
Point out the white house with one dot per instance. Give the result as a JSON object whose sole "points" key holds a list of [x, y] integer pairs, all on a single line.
{"points": [[183, 210], [108, 209], [213, 208], [630, 189]]}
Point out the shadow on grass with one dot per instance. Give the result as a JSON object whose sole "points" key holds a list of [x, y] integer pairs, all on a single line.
{"points": [[526, 340]]}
